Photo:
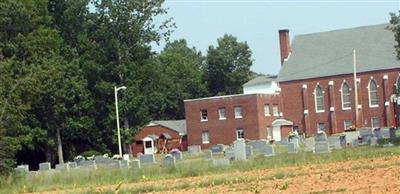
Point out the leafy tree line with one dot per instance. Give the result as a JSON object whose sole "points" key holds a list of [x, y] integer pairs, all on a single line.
{"points": [[59, 63]]}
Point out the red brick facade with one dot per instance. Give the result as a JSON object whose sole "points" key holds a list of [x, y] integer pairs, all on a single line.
{"points": [[298, 97], [253, 122], [176, 142]]}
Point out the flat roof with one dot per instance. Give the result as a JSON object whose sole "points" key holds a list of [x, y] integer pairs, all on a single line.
{"points": [[228, 96]]}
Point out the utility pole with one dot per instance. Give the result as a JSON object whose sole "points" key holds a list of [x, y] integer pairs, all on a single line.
{"points": [[355, 87], [116, 112]]}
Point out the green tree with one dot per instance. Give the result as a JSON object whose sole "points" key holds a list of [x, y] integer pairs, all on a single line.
{"points": [[227, 66], [182, 77], [395, 27]]}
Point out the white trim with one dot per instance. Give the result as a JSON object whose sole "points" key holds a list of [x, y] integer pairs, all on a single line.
{"points": [[202, 137], [397, 80], [315, 99], [304, 86], [241, 114], [219, 114], [379, 120], [332, 109], [341, 96], [369, 93], [268, 113], [385, 77], [201, 115], [237, 133], [330, 83]]}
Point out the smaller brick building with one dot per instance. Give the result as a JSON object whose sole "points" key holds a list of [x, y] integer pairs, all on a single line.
{"points": [[160, 136], [223, 119]]}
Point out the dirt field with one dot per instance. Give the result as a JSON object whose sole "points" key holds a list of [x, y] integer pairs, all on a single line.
{"points": [[379, 175]]}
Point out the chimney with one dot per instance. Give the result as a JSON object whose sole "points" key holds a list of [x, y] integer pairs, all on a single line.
{"points": [[284, 42]]}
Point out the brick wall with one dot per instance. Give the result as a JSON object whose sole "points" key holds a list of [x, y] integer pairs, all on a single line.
{"points": [[298, 96], [254, 123]]}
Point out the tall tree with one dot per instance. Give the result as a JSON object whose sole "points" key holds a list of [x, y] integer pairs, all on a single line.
{"points": [[227, 66], [182, 77], [395, 27]]}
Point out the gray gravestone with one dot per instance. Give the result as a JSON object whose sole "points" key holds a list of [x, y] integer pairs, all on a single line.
{"points": [[294, 139], [147, 159], [377, 133], [385, 133], [374, 141], [239, 146], [135, 163], [208, 155], [249, 151], [343, 140], [88, 164], [392, 133], [177, 154], [221, 162], [114, 164], [320, 136], [124, 163], [321, 147], [101, 160], [292, 148], [229, 153], [219, 148], [259, 144], [62, 167], [126, 157], [44, 166], [268, 150], [169, 161], [22, 169], [72, 165], [335, 142], [310, 142], [194, 149]]}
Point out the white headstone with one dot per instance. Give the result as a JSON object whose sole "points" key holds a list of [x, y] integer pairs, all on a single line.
{"points": [[239, 147]]}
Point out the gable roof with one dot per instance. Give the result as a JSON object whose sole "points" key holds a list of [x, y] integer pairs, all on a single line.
{"points": [[176, 125], [331, 53], [259, 80]]}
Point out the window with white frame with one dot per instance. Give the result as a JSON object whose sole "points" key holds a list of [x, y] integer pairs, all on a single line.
{"points": [[239, 133], [205, 137], [346, 99], [204, 115], [348, 123], [221, 113], [373, 93], [266, 110], [275, 110], [375, 122], [238, 112], [269, 132], [319, 99]]}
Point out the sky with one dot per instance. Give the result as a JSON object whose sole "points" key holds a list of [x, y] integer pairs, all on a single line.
{"points": [[202, 22]]}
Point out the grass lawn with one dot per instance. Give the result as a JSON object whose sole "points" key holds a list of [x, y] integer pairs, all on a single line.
{"points": [[189, 167]]}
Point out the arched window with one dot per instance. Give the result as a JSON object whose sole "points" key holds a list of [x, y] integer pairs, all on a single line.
{"points": [[319, 99], [373, 93], [346, 99]]}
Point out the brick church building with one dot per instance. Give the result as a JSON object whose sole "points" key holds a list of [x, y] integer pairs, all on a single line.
{"points": [[317, 83]]}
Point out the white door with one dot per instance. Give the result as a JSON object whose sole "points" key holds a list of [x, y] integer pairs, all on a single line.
{"points": [[148, 144], [276, 133]]}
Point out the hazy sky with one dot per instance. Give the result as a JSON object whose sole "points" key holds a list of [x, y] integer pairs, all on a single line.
{"points": [[201, 22]]}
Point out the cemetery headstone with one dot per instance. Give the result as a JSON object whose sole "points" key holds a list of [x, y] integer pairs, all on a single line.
{"points": [[292, 148], [22, 169], [169, 161], [385, 133], [249, 151], [194, 149], [320, 136], [101, 160], [378, 133], [124, 163], [343, 141], [44, 166], [62, 167], [392, 133], [135, 163], [219, 148], [240, 149], [126, 157], [310, 142], [208, 155], [88, 164], [321, 147], [268, 150], [221, 162], [177, 154], [229, 153], [259, 144], [79, 159], [374, 141], [147, 159], [114, 164], [72, 165], [335, 142]]}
